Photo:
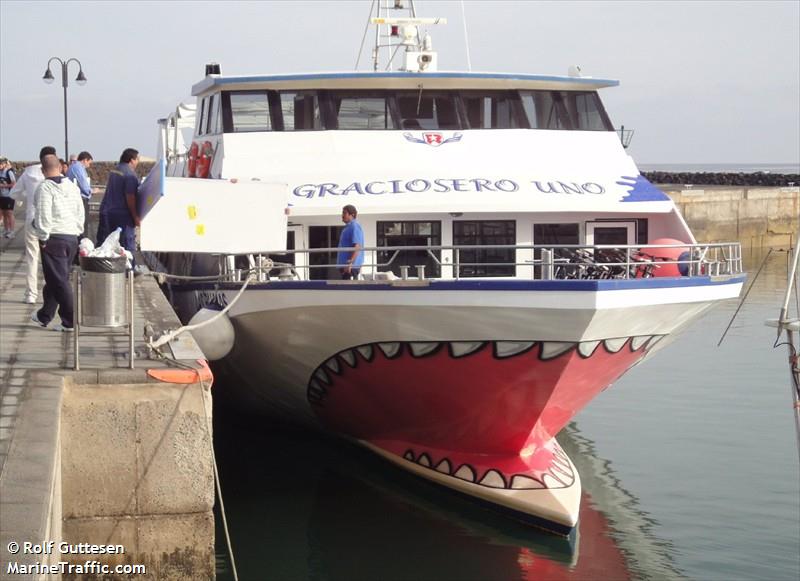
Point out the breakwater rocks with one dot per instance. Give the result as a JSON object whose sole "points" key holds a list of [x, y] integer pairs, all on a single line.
{"points": [[760, 179], [99, 174]]}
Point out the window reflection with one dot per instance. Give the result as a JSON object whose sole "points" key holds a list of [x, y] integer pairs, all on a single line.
{"points": [[485, 232], [410, 234]]}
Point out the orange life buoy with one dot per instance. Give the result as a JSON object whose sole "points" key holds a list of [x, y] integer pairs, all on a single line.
{"points": [[204, 160], [192, 162]]}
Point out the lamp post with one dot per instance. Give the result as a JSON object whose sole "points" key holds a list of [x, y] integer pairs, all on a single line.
{"points": [[80, 79]]}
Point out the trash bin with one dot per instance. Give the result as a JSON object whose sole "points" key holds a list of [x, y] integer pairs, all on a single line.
{"points": [[103, 296]]}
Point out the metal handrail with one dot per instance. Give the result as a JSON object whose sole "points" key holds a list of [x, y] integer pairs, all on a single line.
{"points": [[572, 261]]}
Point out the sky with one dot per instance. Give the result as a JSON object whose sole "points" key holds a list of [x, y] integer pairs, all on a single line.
{"points": [[700, 82]]}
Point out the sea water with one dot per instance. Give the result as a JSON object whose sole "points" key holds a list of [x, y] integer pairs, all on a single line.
{"points": [[689, 468]]}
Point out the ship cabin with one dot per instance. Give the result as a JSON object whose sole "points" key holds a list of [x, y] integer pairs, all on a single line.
{"points": [[454, 175]]}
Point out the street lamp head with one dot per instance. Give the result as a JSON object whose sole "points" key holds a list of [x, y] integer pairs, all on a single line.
{"points": [[81, 78], [48, 76]]}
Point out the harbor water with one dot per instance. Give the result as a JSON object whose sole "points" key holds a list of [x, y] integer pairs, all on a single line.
{"points": [[689, 469]]}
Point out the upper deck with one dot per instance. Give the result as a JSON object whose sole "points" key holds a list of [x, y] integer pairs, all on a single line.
{"points": [[400, 80]]}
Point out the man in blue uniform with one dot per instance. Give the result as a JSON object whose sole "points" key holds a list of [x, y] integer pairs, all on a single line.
{"points": [[119, 206], [350, 261]]}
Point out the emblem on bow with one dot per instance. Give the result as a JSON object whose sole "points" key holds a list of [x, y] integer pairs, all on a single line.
{"points": [[432, 138]]}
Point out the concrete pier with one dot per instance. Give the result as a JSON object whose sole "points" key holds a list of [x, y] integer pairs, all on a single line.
{"points": [[757, 217], [104, 456]]}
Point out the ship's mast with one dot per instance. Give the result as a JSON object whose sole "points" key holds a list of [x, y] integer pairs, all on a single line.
{"points": [[397, 27]]}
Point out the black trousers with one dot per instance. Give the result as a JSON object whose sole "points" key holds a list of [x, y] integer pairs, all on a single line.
{"points": [[352, 275], [57, 257], [85, 218]]}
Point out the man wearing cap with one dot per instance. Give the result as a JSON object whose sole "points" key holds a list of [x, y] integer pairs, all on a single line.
{"points": [[58, 222], [25, 189]]}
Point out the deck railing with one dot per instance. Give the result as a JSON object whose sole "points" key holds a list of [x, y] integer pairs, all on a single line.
{"points": [[529, 262]]}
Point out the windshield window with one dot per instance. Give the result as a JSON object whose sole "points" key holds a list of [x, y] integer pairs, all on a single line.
{"points": [[496, 110], [250, 112], [428, 110], [406, 110], [362, 111], [300, 110]]}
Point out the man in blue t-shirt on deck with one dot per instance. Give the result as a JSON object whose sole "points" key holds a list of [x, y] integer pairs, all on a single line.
{"points": [[350, 261]]}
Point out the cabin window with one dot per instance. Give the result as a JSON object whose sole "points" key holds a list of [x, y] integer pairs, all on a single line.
{"points": [[485, 261], [300, 111], [201, 117], [641, 231], [362, 111], [249, 111], [586, 111], [556, 235], [545, 110], [213, 111], [323, 237], [496, 110], [428, 110], [410, 233]]}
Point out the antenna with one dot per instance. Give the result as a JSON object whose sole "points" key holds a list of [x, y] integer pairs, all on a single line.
{"points": [[394, 32]]}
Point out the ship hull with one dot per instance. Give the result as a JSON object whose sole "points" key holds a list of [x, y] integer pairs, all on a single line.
{"points": [[467, 387]]}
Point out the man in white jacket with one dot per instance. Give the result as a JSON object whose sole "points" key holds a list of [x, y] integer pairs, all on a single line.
{"points": [[25, 189], [57, 224]]}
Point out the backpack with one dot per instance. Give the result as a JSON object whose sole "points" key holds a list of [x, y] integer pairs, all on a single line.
{"points": [[6, 176]]}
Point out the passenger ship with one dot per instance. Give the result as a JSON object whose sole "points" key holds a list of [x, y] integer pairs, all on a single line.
{"points": [[516, 262]]}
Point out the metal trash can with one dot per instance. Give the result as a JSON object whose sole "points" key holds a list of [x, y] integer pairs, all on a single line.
{"points": [[103, 296]]}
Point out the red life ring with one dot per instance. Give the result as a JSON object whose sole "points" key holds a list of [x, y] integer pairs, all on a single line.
{"points": [[192, 162], [204, 160]]}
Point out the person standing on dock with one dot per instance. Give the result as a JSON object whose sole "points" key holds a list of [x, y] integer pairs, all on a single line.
{"points": [[26, 189], [77, 173], [119, 208], [350, 261], [7, 181], [58, 223]]}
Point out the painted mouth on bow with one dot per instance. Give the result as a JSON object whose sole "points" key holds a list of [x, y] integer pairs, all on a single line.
{"points": [[485, 412]]}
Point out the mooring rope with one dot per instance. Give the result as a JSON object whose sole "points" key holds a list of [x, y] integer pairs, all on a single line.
{"points": [[207, 394], [744, 298], [206, 391], [169, 336]]}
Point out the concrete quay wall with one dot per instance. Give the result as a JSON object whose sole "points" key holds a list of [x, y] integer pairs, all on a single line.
{"points": [[136, 470], [111, 463], [758, 217]]}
